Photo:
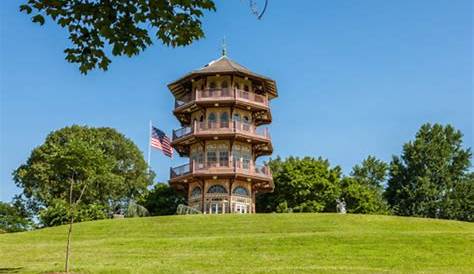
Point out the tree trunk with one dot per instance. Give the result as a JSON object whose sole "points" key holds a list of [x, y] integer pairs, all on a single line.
{"points": [[69, 233], [68, 247], [72, 208]]}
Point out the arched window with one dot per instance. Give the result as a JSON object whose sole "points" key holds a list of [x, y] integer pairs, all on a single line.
{"points": [[217, 189], [225, 91], [246, 156], [240, 191], [224, 120], [212, 119], [212, 89], [246, 123], [196, 192], [236, 117]]}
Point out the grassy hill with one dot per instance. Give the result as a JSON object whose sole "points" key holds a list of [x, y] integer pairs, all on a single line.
{"points": [[262, 243]]}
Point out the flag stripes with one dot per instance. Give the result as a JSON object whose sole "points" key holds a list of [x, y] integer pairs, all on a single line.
{"points": [[160, 141]]}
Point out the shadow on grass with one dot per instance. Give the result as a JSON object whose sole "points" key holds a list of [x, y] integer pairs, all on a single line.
{"points": [[10, 269]]}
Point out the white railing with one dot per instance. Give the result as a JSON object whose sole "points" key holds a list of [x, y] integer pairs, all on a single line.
{"points": [[222, 127], [216, 167], [212, 94]]}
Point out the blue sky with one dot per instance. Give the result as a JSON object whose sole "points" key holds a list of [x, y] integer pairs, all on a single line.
{"points": [[354, 78]]}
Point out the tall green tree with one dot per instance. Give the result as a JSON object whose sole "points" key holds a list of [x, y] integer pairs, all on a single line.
{"points": [[302, 185], [430, 178], [47, 173], [363, 189], [14, 217], [162, 200], [361, 198], [371, 172]]}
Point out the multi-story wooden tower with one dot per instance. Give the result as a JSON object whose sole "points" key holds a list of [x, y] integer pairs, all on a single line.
{"points": [[221, 108]]}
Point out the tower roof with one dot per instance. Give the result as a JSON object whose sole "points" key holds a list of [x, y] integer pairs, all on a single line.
{"points": [[224, 65]]}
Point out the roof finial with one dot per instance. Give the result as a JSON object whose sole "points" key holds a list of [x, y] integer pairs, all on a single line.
{"points": [[224, 47]]}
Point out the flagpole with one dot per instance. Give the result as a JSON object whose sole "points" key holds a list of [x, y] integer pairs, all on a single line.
{"points": [[149, 145]]}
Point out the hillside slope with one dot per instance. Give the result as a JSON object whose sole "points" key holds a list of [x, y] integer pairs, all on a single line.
{"points": [[262, 243]]}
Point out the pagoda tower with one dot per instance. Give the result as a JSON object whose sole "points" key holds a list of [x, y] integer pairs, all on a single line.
{"points": [[221, 108]]}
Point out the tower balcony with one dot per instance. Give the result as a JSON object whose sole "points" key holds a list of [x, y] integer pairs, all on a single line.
{"points": [[223, 97], [245, 132], [219, 128], [222, 94], [244, 170]]}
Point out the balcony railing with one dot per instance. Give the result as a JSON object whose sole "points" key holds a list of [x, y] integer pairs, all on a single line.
{"points": [[180, 170], [211, 94], [216, 167], [222, 127], [215, 93]]}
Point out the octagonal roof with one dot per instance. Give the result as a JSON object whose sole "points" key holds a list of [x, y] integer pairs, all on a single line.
{"points": [[224, 65]]}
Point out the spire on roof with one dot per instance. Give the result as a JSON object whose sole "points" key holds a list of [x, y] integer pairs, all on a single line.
{"points": [[224, 47]]}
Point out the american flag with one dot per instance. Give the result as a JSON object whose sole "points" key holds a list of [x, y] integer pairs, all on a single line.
{"points": [[160, 141]]}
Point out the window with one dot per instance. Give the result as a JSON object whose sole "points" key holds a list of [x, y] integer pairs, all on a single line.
{"points": [[212, 89], [240, 191], [246, 125], [236, 157], [196, 192], [236, 117], [246, 160], [224, 120], [225, 91], [240, 208], [211, 158], [200, 159], [223, 158], [211, 119], [245, 94], [217, 189]]}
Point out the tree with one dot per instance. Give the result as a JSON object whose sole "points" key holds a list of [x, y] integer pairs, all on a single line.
{"points": [[362, 198], [163, 200], [14, 218], [362, 190], [430, 178], [462, 200], [121, 27], [79, 163], [45, 179], [372, 172], [302, 185]]}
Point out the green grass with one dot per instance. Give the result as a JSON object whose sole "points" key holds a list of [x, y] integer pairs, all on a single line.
{"points": [[262, 243]]}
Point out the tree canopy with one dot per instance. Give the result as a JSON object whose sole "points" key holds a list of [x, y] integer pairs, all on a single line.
{"points": [[163, 200], [371, 172], [431, 178], [14, 217], [107, 162], [99, 28], [302, 185], [312, 185]]}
